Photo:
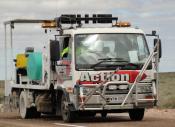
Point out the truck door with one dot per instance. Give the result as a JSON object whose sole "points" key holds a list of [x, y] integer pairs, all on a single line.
{"points": [[64, 64]]}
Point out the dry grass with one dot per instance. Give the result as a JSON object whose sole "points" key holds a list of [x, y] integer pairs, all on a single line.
{"points": [[1, 88], [167, 90], [1, 94], [1, 91]]}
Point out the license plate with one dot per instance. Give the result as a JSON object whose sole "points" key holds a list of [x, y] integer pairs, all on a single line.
{"points": [[114, 99]]}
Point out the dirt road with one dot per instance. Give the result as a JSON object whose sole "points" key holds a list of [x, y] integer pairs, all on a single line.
{"points": [[153, 118]]}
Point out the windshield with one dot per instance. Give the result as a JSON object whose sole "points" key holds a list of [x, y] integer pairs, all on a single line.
{"points": [[90, 48]]}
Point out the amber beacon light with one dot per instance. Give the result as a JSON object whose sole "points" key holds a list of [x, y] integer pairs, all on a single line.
{"points": [[123, 24], [49, 24]]}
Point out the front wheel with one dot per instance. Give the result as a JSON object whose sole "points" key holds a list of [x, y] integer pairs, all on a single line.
{"points": [[67, 115], [104, 115], [136, 114]]}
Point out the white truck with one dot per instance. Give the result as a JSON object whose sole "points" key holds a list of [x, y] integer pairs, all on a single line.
{"points": [[86, 70]]}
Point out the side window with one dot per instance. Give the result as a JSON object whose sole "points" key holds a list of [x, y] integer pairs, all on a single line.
{"points": [[141, 45], [70, 50], [65, 50], [143, 52], [64, 71]]}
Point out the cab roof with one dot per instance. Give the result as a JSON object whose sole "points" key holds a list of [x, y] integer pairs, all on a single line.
{"points": [[103, 30]]}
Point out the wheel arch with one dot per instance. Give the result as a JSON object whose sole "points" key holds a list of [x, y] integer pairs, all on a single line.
{"points": [[62, 91]]}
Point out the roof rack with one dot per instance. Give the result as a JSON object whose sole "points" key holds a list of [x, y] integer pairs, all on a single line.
{"points": [[25, 21], [77, 19]]}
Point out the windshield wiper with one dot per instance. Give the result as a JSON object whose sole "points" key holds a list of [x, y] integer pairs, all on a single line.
{"points": [[137, 65], [117, 58], [102, 60]]}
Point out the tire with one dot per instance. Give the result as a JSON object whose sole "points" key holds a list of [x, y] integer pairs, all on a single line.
{"points": [[87, 114], [67, 115], [34, 113], [91, 114], [136, 114], [24, 111], [104, 115]]}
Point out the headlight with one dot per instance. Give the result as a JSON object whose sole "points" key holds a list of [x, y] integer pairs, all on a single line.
{"points": [[112, 87], [123, 87], [85, 90], [117, 86], [144, 89]]}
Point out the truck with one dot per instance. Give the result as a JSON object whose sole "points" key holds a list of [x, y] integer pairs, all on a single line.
{"points": [[90, 65]]}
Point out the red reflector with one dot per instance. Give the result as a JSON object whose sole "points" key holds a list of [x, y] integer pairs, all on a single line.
{"points": [[149, 97]]}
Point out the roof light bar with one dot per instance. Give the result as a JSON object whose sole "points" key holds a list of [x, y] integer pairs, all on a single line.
{"points": [[77, 19]]}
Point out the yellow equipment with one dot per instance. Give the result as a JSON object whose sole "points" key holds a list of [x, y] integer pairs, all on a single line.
{"points": [[21, 61]]}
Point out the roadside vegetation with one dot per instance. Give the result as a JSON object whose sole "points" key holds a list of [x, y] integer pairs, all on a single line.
{"points": [[167, 90], [1, 91], [1, 94]]}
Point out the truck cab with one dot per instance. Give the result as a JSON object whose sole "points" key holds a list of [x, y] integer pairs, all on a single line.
{"points": [[94, 54]]}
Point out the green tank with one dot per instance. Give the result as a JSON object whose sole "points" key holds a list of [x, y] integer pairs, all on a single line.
{"points": [[34, 66]]}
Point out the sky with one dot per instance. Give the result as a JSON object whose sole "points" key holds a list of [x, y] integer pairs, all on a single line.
{"points": [[148, 15]]}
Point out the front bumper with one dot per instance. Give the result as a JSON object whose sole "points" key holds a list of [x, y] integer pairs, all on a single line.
{"points": [[114, 102]]}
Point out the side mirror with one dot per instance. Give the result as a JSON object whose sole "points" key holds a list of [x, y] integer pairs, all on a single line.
{"points": [[54, 50], [159, 46], [154, 33]]}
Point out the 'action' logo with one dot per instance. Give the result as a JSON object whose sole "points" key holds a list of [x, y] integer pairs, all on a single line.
{"points": [[85, 76]]}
